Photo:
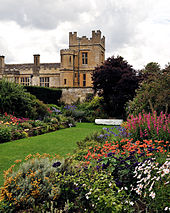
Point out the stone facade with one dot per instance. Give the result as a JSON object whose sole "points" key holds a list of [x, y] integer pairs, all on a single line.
{"points": [[70, 95], [74, 70]]}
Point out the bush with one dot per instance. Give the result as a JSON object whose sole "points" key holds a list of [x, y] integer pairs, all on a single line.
{"points": [[31, 184], [138, 167], [47, 95], [152, 95], [89, 191], [5, 133], [15, 99], [91, 109], [25, 125]]}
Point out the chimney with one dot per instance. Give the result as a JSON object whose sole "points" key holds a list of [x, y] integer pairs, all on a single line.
{"points": [[2, 64], [36, 60], [36, 64]]}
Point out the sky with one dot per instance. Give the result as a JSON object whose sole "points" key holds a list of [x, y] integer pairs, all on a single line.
{"points": [[137, 30]]}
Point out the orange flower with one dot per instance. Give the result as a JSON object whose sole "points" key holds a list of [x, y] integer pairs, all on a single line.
{"points": [[149, 154], [123, 153]]}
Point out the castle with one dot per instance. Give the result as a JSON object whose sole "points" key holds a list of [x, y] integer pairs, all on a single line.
{"points": [[74, 70]]}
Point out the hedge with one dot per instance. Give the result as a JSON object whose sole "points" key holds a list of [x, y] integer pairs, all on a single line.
{"points": [[47, 95]]}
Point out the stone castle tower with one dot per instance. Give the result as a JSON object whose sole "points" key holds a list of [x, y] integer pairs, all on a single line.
{"points": [[74, 70]]}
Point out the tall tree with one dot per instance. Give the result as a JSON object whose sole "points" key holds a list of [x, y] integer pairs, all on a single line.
{"points": [[116, 82], [153, 93]]}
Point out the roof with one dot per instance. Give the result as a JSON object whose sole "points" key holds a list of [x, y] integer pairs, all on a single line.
{"points": [[17, 67]]}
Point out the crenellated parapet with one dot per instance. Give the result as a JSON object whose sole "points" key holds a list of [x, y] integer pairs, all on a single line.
{"points": [[67, 52], [95, 39]]}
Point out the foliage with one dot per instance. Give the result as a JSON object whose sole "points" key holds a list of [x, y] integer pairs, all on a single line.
{"points": [[152, 68], [152, 94], [116, 82], [124, 175], [47, 95], [94, 139], [130, 164], [145, 126], [15, 99], [30, 184], [5, 133], [89, 191], [92, 108], [152, 184], [12, 128]]}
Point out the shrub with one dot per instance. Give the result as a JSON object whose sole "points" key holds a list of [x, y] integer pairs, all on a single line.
{"points": [[25, 125], [31, 184], [152, 94], [15, 99], [138, 167], [5, 133], [47, 95], [92, 109], [152, 184], [89, 191]]}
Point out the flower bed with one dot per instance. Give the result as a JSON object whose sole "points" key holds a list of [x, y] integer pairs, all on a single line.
{"points": [[146, 126], [104, 175], [13, 128]]}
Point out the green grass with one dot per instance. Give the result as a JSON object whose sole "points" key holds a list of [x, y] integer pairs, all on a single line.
{"points": [[60, 142]]}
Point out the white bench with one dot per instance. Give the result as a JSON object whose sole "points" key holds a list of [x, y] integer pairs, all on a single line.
{"points": [[114, 122]]}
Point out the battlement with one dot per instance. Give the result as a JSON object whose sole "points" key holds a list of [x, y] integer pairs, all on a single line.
{"points": [[67, 52], [95, 39]]}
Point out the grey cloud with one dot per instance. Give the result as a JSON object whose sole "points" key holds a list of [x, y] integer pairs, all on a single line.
{"points": [[4, 50], [43, 14]]}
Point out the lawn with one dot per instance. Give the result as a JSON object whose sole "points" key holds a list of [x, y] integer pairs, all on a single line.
{"points": [[60, 142]]}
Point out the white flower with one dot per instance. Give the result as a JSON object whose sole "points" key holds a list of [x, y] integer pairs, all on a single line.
{"points": [[87, 197], [166, 183], [131, 203], [165, 172], [140, 186], [139, 176], [152, 194], [166, 208], [157, 178], [151, 186], [138, 191]]}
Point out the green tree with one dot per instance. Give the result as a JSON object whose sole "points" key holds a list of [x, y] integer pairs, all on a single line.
{"points": [[153, 93]]}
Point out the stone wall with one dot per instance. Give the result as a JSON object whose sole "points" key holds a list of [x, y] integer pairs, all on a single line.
{"points": [[70, 95]]}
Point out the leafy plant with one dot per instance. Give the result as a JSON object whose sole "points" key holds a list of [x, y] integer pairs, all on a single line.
{"points": [[15, 99], [5, 133], [31, 184]]}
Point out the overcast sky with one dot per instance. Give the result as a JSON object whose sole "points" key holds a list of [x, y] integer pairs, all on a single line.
{"points": [[137, 30]]}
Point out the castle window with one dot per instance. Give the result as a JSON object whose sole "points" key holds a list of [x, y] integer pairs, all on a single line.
{"points": [[44, 81], [25, 81], [65, 81], [17, 80], [84, 58], [70, 59], [84, 80]]}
